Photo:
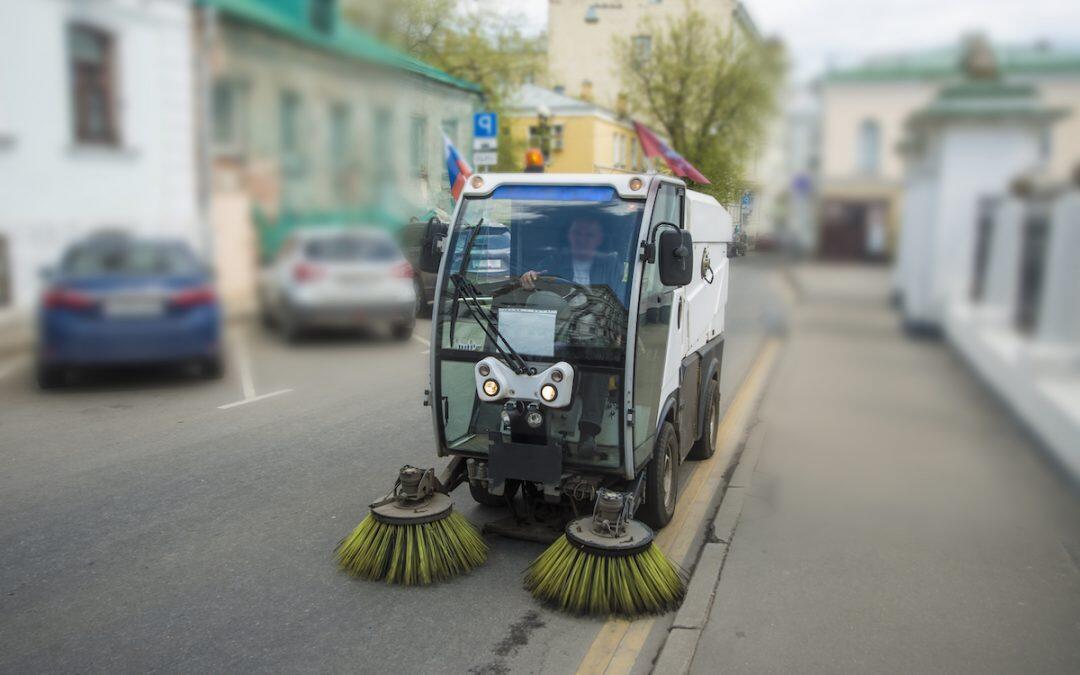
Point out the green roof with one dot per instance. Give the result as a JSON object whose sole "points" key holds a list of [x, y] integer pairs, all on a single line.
{"points": [[945, 62], [289, 17]]}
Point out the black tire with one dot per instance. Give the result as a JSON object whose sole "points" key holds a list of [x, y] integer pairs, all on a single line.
{"points": [[706, 445], [481, 496], [50, 377], [213, 368], [402, 331], [266, 317], [661, 480], [289, 326]]}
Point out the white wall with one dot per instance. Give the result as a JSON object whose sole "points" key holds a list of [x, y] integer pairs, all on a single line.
{"points": [[52, 190]]}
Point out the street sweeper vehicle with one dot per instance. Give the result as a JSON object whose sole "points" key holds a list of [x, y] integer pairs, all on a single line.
{"points": [[577, 341]]}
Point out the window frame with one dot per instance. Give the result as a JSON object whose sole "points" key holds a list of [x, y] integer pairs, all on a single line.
{"points": [[82, 86]]}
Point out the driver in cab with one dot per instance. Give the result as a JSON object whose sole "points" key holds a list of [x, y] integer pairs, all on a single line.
{"points": [[587, 266]]}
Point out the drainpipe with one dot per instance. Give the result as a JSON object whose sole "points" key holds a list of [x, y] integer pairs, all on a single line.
{"points": [[206, 30]]}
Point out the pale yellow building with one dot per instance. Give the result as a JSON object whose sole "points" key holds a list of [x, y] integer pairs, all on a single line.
{"points": [[584, 137], [582, 59], [864, 112]]}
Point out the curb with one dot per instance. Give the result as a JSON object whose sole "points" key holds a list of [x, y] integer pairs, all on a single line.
{"points": [[677, 653]]}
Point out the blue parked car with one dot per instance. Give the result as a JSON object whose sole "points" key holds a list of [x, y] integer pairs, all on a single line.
{"points": [[122, 300]]}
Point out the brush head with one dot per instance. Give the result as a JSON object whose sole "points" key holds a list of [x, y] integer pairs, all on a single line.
{"points": [[584, 572], [417, 552]]}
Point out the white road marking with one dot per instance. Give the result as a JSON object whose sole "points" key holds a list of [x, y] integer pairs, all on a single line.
{"points": [[253, 399], [421, 340], [243, 364], [11, 366]]}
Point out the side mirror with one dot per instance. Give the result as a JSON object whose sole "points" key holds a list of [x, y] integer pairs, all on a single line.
{"points": [[431, 250], [676, 257]]}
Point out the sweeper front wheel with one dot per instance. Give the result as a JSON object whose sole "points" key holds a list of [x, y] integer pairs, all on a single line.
{"points": [[661, 480]]}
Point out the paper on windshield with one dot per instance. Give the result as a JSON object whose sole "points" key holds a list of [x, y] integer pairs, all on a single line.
{"points": [[530, 331]]}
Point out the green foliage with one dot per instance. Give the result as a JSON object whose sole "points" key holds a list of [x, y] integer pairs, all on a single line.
{"points": [[709, 90], [583, 582], [474, 41], [413, 555]]}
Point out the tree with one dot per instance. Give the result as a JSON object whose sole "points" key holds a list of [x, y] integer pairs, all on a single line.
{"points": [[710, 90], [472, 40]]}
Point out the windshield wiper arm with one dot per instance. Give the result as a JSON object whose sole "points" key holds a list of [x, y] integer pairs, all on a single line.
{"points": [[464, 289], [466, 254]]}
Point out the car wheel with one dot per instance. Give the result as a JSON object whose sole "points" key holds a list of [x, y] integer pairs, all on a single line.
{"points": [[403, 331], [661, 480], [50, 377], [422, 308], [481, 495], [706, 445], [289, 326], [213, 368]]}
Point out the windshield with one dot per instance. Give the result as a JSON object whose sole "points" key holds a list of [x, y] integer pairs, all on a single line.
{"points": [[130, 258], [346, 248], [551, 265]]}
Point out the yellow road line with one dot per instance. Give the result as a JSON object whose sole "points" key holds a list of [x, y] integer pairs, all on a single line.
{"points": [[619, 642]]}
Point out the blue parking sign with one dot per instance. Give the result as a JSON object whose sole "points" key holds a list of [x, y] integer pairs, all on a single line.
{"points": [[485, 125]]}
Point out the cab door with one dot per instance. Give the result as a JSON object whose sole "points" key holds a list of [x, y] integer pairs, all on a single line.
{"points": [[657, 307]]}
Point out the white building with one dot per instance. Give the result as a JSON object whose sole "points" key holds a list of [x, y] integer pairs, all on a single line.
{"points": [[97, 130]]}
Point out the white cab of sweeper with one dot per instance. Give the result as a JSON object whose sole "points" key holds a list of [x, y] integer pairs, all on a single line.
{"points": [[710, 225]]}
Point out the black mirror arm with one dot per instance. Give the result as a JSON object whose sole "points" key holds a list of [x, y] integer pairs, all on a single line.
{"points": [[648, 247]]}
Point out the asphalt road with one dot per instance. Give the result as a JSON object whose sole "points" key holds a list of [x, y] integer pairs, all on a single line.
{"points": [[163, 522]]}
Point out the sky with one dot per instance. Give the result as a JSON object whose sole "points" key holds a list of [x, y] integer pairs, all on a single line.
{"points": [[820, 33]]}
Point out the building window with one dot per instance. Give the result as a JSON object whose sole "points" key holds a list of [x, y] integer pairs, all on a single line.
{"points": [[340, 150], [384, 141], [450, 128], [634, 159], [92, 55], [5, 273], [322, 14], [555, 131], [868, 159], [418, 146], [290, 123], [227, 107], [642, 46]]}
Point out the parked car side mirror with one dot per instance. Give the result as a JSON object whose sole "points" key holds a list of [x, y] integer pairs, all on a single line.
{"points": [[431, 249], [676, 257]]}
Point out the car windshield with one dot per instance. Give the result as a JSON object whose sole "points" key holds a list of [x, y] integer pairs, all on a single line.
{"points": [[130, 258], [350, 248], [552, 266]]}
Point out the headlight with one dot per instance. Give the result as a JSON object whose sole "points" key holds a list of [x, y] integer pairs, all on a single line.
{"points": [[484, 370], [491, 387], [556, 376], [548, 392], [534, 419]]}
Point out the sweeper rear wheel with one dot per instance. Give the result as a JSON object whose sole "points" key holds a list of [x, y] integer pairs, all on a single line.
{"points": [[661, 480]]}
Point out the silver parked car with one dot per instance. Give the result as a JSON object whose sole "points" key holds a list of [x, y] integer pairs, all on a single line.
{"points": [[338, 277]]}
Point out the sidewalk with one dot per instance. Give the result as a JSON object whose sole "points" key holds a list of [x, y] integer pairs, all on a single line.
{"points": [[897, 519]]}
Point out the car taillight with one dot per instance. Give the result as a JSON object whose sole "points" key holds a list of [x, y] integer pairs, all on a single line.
{"points": [[201, 295], [402, 271], [64, 298], [307, 272]]}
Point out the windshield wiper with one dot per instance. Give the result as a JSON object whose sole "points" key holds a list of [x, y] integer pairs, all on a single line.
{"points": [[465, 290]]}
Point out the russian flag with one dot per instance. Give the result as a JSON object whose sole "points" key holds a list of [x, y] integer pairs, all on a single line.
{"points": [[456, 166]]}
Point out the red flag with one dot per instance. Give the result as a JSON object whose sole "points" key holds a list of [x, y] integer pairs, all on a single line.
{"points": [[654, 147]]}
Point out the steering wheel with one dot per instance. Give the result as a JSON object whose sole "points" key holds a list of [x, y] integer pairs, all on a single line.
{"points": [[554, 284]]}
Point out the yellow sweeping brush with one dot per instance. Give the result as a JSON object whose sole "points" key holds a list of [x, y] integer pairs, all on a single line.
{"points": [[607, 564], [412, 536]]}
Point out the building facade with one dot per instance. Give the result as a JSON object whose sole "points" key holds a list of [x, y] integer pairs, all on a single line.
{"points": [[582, 59], [864, 111], [582, 137], [310, 119], [88, 91]]}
